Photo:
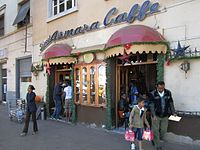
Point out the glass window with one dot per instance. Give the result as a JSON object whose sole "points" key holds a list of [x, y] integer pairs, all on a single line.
{"points": [[69, 4], [102, 84], [55, 2], [77, 84], [84, 85], [55, 11], [60, 6], [92, 85]]}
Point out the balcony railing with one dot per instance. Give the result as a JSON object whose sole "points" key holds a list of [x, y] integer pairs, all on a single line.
{"points": [[188, 53]]}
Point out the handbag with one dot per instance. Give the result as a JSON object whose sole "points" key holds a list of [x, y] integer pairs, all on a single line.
{"points": [[148, 135], [129, 135]]}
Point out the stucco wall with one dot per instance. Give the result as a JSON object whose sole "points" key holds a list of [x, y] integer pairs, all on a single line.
{"points": [[88, 12], [15, 46], [10, 14], [184, 87]]}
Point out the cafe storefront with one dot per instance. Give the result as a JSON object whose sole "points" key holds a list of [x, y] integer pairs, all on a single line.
{"points": [[134, 52], [124, 53], [58, 66], [138, 54]]}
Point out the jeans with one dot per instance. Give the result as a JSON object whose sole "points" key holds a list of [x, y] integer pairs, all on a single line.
{"points": [[57, 110]]}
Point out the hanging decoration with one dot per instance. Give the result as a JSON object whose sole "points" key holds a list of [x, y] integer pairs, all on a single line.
{"points": [[168, 62], [180, 51], [35, 68], [160, 67], [127, 46], [108, 93], [78, 53], [48, 68], [125, 58], [185, 66]]}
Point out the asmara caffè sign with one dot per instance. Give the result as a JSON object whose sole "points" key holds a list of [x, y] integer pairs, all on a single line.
{"points": [[137, 12]]}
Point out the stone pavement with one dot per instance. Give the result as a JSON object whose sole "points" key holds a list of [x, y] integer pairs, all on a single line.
{"points": [[54, 135]]}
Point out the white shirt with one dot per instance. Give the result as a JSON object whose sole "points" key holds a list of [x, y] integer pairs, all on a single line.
{"points": [[161, 93], [68, 92], [141, 109]]}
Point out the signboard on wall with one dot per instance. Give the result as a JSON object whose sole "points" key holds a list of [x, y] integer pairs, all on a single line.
{"points": [[137, 12]]}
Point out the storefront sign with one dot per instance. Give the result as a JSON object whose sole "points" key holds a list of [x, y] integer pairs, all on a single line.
{"points": [[136, 13], [69, 33]]}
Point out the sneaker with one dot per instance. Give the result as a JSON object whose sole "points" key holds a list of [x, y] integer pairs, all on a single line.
{"points": [[23, 134], [132, 146], [34, 132], [53, 118]]}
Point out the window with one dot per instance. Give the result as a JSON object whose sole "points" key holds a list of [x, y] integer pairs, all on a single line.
{"points": [[77, 85], [102, 83], [1, 25], [84, 85], [59, 8], [23, 16], [90, 84]]}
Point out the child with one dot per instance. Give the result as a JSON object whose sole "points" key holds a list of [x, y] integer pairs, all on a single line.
{"points": [[137, 120], [123, 109]]}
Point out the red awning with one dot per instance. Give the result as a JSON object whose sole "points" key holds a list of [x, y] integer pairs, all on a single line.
{"points": [[57, 50], [134, 33]]}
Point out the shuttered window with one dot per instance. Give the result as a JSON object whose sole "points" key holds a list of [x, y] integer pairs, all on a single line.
{"points": [[25, 67], [1, 25]]}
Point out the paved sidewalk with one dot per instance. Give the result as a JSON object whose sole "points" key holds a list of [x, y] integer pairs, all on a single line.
{"points": [[54, 135]]}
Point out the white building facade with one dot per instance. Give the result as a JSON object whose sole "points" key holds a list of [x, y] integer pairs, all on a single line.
{"points": [[16, 48]]}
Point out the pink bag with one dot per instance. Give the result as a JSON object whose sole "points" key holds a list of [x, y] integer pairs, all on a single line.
{"points": [[148, 135], [129, 135]]}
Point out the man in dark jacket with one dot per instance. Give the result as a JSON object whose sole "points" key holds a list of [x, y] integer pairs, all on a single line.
{"points": [[161, 106], [57, 92]]}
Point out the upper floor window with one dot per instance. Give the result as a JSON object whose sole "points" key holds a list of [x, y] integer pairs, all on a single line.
{"points": [[23, 16], [1, 25], [59, 8]]}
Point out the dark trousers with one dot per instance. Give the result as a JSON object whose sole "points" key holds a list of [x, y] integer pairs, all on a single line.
{"points": [[27, 120]]}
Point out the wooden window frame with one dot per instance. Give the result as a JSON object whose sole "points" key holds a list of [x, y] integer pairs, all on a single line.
{"points": [[96, 65]]}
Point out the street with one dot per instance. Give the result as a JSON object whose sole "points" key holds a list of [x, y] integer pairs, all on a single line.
{"points": [[54, 135]]}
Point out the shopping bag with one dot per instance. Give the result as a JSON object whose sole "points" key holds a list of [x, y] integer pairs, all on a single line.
{"points": [[148, 135], [129, 135]]}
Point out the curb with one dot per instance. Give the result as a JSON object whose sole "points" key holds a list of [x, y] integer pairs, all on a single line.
{"points": [[173, 138]]}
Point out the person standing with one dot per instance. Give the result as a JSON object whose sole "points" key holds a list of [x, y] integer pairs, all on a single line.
{"points": [[31, 110], [57, 93], [123, 110], [137, 120], [133, 93], [68, 100], [161, 106]]}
